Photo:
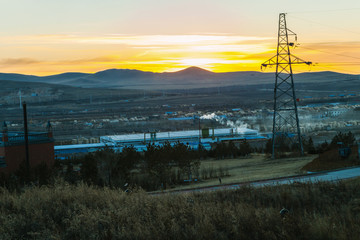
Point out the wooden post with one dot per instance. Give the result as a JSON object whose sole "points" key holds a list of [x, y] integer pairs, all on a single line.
{"points": [[26, 141]]}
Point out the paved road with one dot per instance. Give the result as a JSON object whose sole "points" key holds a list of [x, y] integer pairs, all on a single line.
{"points": [[312, 177]]}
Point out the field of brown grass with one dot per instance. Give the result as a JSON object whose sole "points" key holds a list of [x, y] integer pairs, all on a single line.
{"points": [[252, 168], [62, 211]]}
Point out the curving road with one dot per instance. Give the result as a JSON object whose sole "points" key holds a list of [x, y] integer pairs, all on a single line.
{"points": [[309, 178]]}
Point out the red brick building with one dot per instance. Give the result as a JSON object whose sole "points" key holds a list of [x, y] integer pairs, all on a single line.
{"points": [[13, 153]]}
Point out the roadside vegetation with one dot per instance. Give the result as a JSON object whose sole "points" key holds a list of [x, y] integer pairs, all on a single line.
{"points": [[80, 211]]}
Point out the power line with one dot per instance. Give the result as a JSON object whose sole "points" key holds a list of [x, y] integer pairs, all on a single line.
{"points": [[325, 25], [331, 53], [342, 63], [336, 69], [321, 66], [338, 54], [337, 63], [326, 68], [326, 11]]}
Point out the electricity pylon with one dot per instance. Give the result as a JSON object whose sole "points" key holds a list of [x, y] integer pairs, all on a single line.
{"points": [[286, 129]]}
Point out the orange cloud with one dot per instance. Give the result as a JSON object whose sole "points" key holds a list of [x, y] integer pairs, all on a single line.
{"points": [[18, 61], [51, 54]]}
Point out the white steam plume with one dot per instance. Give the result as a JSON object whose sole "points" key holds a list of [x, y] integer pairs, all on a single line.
{"points": [[240, 126]]}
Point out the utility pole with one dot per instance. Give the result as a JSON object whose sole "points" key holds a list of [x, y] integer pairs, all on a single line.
{"points": [[26, 142], [286, 129], [199, 133], [199, 138], [20, 102]]}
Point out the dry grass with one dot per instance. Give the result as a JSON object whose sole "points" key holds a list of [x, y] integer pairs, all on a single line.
{"points": [[316, 211], [255, 167], [331, 160]]}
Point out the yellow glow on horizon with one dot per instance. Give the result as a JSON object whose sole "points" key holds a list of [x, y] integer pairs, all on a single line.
{"points": [[53, 54]]}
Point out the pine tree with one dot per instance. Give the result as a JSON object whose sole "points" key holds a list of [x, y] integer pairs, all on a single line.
{"points": [[310, 146]]}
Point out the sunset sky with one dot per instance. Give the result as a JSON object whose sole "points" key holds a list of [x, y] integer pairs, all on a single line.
{"points": [[44, 37]]}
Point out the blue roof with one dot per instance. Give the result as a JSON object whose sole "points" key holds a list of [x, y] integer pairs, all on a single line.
{"points": [[77, 146], [18, 138], [242, 138], [181, 118]]}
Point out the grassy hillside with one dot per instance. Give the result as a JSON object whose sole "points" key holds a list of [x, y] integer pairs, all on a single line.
{"points": [[315, 211]]}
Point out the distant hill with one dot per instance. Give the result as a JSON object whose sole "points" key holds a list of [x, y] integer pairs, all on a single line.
{"points": [[65, 76], [19, 77], [189, 78], [191, 71]]}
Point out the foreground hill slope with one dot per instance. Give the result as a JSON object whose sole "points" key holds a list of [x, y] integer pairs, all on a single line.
{"points": [[63, 211]]}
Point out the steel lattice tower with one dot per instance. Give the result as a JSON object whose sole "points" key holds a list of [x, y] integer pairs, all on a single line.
{"points": [[286, 129]]}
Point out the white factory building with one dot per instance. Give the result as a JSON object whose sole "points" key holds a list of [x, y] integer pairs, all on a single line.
{"points": [[204, 135], [140, 140]]}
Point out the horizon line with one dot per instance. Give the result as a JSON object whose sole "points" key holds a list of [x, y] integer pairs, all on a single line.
{"points": [[182, 69]]}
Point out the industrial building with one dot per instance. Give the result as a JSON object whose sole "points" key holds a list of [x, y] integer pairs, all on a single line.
{"points": [[66, 150], [190, 136], [13, 152], [206, 137]]}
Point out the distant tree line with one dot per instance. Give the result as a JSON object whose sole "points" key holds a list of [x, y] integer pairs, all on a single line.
{"points": [[340, 139], [158, 167], [230, 150]]}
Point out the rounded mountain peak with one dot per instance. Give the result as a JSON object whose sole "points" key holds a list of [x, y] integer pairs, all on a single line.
{"points": [[194, 71]]}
